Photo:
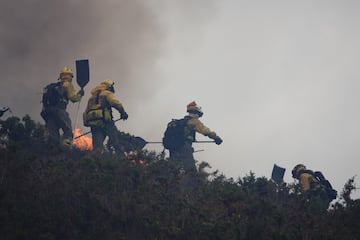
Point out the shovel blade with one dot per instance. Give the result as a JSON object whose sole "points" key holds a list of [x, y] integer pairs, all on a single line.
{"points": [[278, 174], [82, 72]]}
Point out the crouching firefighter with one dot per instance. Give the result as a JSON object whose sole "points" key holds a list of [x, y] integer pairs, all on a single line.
{"points": [[55, 100], [98, 116], [180, 134], [314, 184]]}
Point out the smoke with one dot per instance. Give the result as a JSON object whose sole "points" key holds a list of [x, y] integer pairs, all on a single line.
{"points": [[124, 41], [39, 37]]}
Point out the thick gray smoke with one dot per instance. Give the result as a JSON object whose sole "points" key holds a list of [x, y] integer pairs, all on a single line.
{"points": [[39, 37]]}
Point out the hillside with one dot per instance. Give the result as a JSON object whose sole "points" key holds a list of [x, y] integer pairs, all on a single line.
{"points": [[50, 193]]}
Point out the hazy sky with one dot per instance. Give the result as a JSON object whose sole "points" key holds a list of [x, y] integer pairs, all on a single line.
{"points": [[277, 80]]}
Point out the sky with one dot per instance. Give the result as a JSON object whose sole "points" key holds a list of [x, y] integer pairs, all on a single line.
{"points": [[277, 80]]}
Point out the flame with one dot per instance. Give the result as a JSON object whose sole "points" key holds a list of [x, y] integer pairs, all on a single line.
{"points": [[133, 157], [84, 142]]}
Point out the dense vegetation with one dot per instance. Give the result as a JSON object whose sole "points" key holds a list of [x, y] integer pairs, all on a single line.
{"points": [[50, 193]]}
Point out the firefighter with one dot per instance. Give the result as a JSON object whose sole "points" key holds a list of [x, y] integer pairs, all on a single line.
{"points": [[98, 116], [55, 100], [310, 184], [184, 154]]}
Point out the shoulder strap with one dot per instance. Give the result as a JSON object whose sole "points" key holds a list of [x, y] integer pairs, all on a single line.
{"points": [[97, 97], [189, 132], [185, 119], [59, 84]]}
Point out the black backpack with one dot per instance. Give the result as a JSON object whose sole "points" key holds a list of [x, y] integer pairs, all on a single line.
{"points": [[325, 184], [52, 94], [332, 193], [174, 136]]}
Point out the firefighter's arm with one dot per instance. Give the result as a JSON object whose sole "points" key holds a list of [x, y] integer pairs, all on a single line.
{"points": [[71, 93], [116, 104], [201, 128]]}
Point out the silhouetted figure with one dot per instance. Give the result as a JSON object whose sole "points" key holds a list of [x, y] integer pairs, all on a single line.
{"points": [[183, 133], [55, 100], [314, 184]]}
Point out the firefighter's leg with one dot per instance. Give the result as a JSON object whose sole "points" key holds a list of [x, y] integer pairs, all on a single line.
{"points": [[184, 156], [65, 124], [112, 131], [98, 137], [187, 156], [51, 125]]}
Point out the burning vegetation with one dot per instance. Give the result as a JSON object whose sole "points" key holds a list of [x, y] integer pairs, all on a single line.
{"points": [[50, 193], [83, 142]]}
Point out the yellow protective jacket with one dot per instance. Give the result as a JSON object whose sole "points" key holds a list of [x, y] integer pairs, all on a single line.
{"points": [[195, 125], [99, 106], [308, 181], [69, 92]]}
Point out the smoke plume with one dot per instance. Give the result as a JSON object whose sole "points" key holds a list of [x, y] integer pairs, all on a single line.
{"points": [[39, 37]]}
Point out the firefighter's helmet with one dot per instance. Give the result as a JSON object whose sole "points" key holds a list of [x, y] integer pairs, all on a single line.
{"points": [[193, 107], [65, 71], [297, 169]]}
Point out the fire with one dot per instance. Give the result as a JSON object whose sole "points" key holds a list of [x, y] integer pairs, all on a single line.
{"points": [[84, 142], [134, 159]]}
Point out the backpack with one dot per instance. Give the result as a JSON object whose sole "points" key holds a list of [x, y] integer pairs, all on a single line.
{"points": [[52, 94], [174, 136], [97, 112], [325, 184], [332, 193]]}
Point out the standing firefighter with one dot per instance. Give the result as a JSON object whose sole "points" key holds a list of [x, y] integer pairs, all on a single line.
{"points": [[180, 134], [98, 116], [314, 184], [55, 99]]}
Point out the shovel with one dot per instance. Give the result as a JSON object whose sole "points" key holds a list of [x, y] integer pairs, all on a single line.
{"points": [[82, 78]]}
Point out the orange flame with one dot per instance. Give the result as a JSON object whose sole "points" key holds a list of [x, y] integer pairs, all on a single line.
{"points": [[84, 142], [134, 159]]}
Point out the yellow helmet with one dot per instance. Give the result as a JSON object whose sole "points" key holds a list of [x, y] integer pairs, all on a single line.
{"points": [[194, 108], [66, 70], [109, 85], [297, 169]]}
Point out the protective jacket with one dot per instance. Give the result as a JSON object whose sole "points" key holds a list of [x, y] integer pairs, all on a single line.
{"points": [[308, 181], [99, 106], [194, 125], [184, 154]]}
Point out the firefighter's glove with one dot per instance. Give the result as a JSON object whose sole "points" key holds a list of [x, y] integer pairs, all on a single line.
{"points": [[81, 92], [218, 140], [124, 116]]}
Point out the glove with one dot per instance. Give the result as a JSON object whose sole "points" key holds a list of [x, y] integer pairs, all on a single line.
{"points": [[81, 92], [218, 140], [124, 116]]}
